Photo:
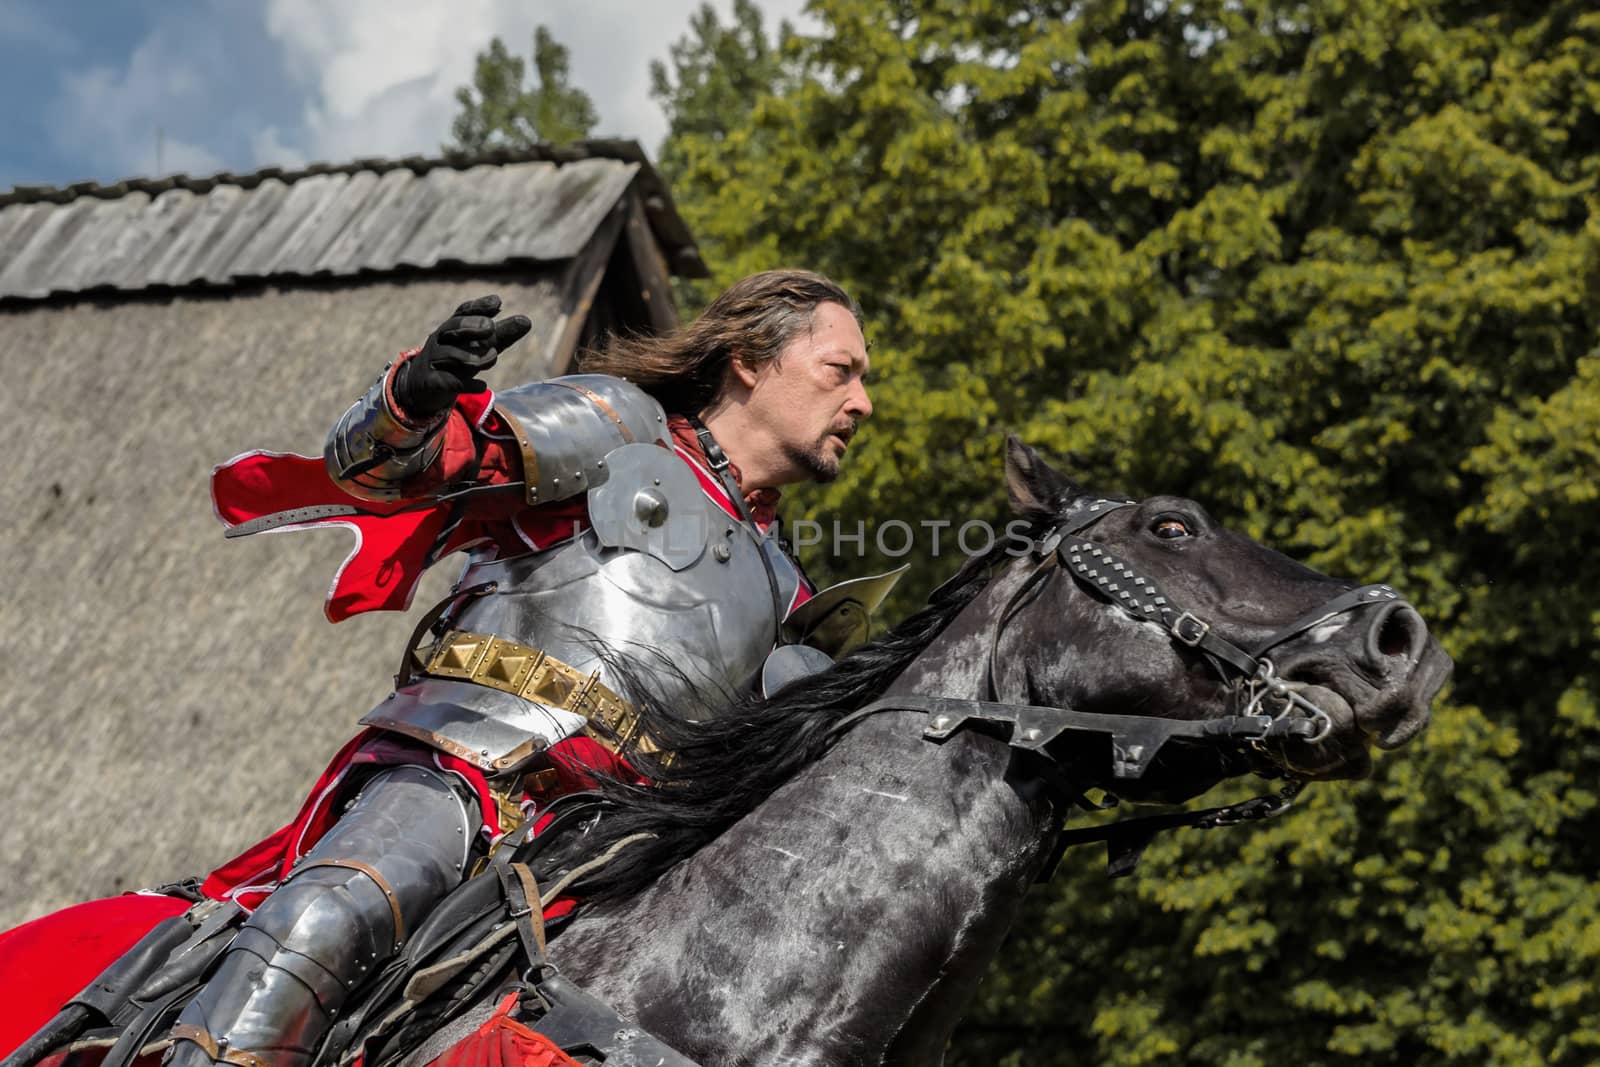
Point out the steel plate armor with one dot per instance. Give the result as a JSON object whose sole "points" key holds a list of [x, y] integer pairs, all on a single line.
{"points": [[663, 578]]}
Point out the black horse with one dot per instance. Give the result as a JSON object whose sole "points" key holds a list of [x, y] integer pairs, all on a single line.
{"points": [[811, 881], [818, 895]]}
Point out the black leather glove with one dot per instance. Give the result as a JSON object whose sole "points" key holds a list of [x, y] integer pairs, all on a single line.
{"points": [[464, 346]]}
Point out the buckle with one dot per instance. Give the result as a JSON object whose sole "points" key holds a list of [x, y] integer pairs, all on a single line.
{"points": [[1197, 629]]}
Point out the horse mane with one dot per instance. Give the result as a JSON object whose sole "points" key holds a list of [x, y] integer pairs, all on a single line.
{"points": [[722, 767]]}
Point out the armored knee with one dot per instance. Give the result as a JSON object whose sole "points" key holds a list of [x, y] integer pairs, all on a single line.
{"points": [[401, 846]]}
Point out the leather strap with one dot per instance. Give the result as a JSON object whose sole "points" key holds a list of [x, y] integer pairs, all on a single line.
{"points": [[600, 402], [719, 463], [522, 894], [212, 1048]]}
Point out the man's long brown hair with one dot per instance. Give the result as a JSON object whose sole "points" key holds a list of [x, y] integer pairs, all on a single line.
{"points": [[752, 320]]}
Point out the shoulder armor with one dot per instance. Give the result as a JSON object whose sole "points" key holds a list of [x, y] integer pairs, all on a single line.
{"points": [[566, 427]]}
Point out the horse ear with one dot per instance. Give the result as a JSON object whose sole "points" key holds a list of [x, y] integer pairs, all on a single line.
{"points": [[1037, 490]]}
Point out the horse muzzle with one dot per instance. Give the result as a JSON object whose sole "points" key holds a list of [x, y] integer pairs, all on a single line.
{"points": [[1375, 682]]}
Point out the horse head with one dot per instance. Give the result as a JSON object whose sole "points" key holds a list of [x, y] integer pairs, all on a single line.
{"points": [[1259, 633]]}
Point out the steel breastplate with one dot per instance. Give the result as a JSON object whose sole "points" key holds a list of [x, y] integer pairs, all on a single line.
{"points": [[664, 583]]}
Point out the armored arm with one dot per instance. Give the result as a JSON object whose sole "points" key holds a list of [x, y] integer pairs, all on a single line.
{"points": [[393, 433], [372, 449]]}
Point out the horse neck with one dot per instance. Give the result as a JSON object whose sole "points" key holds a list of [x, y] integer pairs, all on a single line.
{"points": [[849, 917], [956, 662]]}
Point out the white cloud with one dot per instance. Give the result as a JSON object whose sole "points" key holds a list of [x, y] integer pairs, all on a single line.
{"points": [[268, 149], [381, 75], [134, 119]]}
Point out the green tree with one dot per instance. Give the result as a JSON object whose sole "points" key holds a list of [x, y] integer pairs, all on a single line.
{"points": [[501, 109], [1331, 268], [714, 77]]}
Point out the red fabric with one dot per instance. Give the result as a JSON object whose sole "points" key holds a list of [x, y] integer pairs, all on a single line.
{"points": [[763, 503], [392, 546], [503, 1042], [46, 962]]}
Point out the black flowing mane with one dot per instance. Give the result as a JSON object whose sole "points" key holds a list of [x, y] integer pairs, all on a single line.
{"points": [[723, 767]]}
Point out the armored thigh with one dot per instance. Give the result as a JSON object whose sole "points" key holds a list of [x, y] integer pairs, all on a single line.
{"points": [[403, 843]]}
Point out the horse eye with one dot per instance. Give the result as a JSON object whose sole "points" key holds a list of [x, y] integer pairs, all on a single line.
{"points": [[1169, 529]]}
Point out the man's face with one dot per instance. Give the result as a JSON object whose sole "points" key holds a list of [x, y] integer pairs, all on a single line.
{"points": [[813, 396]]}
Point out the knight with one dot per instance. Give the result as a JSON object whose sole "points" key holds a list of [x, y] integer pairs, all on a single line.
{"points": [[620, 516]]}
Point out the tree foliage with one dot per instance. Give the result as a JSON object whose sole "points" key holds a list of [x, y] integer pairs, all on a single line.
{"points": [[714, 77], [500, 108], [1330, 268]]}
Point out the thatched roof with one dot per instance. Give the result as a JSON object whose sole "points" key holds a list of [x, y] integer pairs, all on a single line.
{"points": [[167, 696]]}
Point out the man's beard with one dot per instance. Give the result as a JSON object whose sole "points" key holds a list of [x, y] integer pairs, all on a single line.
{"points": [[819, 460]]}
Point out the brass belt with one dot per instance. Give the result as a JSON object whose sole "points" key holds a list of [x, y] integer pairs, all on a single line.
{"points": [[535, 675]]}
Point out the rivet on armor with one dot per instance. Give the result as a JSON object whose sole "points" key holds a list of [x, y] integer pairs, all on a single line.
{"points": [[722, 553], [1031, 734], [940, 723], [650, 507]]}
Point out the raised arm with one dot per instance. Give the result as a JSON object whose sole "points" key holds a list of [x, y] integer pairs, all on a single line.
{"points": [[395, 431]]}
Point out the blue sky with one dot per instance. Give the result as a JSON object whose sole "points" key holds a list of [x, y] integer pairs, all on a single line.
{"points": [[100, 89]]}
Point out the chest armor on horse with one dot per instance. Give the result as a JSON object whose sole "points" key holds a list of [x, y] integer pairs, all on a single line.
{"points": [[664, 590]]}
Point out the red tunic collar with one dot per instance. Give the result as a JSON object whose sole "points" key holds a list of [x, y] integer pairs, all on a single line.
{"points": [[763, 503]]}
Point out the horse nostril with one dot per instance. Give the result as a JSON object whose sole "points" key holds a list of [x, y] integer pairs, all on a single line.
{"points": [[1397, 631]]}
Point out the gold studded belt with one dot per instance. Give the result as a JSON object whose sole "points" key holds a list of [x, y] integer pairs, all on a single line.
{"points": [[535, 675]]}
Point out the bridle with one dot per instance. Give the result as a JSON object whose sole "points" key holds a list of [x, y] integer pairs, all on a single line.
{"points": [[1247, 672], [1267, 708]]}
